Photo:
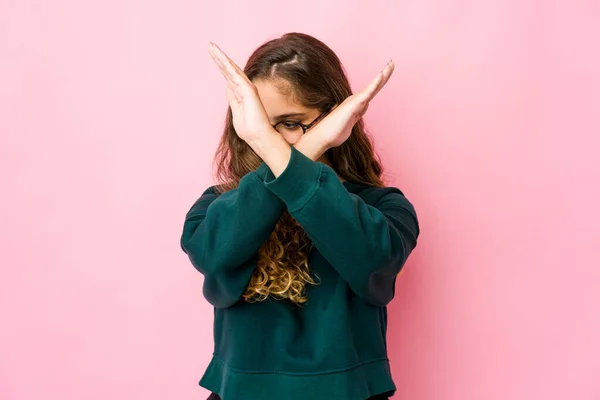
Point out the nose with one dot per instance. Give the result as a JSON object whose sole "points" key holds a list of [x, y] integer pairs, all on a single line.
{"points": [[291, 138]]}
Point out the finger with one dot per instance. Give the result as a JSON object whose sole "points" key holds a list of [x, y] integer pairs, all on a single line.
{"points": [[387, 74], [234, 100], [376, 84], [231, 97], [236, 78], [229, 68], [217, 58], [231, 62], [367, 93], [364, 111], [234, 96]]}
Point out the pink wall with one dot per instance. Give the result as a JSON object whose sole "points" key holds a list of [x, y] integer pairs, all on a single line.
{"points": [[110, 112]]}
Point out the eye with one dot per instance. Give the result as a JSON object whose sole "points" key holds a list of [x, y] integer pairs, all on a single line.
{"points": [[289, 124]]}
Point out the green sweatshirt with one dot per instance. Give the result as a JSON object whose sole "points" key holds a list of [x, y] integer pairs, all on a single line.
{"points": [[332, 347]]}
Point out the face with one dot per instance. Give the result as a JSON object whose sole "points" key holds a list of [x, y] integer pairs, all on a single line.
{"points": [[281, 106]]}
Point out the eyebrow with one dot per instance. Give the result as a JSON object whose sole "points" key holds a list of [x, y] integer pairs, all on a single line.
{"points": [[284, 116]]}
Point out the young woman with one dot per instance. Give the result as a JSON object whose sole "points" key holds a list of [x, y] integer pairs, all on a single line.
{"points": [[301, 242]]}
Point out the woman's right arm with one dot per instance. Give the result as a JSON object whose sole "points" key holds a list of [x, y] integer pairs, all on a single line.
{"points": [[222, 235]]}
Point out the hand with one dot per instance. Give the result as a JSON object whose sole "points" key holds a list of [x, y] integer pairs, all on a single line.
{"points": [[250, 119], [335, 128]]}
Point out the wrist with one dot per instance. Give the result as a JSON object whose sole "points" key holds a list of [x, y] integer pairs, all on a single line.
{"points": [[311, 146], [272, 148], [263, 142]]}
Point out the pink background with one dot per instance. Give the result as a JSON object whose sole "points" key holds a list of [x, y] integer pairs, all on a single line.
{"points": [[110, 112]]}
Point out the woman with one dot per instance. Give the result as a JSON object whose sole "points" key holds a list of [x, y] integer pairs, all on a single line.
{"points": [[301, 242]]}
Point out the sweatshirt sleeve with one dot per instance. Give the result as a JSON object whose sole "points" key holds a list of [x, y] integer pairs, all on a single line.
{"points": [[367, 245], [222, 235]]}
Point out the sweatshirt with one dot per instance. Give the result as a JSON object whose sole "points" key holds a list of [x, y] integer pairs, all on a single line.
{"points": [[333, 346]]}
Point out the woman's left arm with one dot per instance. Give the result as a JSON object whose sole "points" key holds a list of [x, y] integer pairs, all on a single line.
{"points": [[366, 244]]}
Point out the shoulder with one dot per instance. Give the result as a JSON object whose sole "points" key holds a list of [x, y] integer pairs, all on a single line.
{"points": [[211, 190], [216, 190]]}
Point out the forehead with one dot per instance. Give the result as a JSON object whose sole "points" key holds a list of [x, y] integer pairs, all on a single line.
{"points": [[278, 98]]}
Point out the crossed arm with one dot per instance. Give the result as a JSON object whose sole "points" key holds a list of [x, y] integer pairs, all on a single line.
{"points": [[222, 234], [366, 244]]}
